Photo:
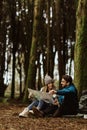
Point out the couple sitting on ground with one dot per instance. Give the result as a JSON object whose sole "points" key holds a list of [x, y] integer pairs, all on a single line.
{"points": [[65, 100]]}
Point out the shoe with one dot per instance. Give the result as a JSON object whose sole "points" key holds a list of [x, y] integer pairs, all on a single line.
{"points": [[37, 112], [85, 116], [57, 113], [24, 113], [31, 112]]}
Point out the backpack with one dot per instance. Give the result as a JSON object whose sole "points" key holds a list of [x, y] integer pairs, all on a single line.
{"points": [[83, 102]]}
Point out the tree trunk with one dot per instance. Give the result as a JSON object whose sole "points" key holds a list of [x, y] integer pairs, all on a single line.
{"points": [[48, 37], [81, 47], [2, 47], [33, 53], [14, 36], [58, 39]]}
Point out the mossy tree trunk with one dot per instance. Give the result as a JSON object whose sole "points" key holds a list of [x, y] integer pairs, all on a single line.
{"points": [[33, 53], [81, 47]]}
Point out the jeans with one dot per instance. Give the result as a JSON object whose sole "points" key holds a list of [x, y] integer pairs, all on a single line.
{"points": [[34, 103], [41, 105]]}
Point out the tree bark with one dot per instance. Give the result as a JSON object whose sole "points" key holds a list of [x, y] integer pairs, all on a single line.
{"points": [[81, 47], [33, 53], [2, 47]]}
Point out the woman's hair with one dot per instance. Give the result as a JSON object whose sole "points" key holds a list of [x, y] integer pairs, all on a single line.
{"points": [[67, 78], [53, 87]]}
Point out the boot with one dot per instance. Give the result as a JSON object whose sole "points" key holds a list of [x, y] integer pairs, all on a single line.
{"points": [[57, 113], [24, 113], [37, 112]]}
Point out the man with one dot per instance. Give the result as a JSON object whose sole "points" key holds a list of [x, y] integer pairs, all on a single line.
{"points": [[69, 99], [69, 105]]}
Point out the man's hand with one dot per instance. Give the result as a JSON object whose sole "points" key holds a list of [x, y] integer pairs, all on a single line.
{"points": [[56, 102], [52, 92]]}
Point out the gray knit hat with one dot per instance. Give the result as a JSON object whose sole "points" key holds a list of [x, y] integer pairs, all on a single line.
{"points": [[48, 79]]}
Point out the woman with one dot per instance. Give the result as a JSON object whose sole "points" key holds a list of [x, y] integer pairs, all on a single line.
{"points": [[39, 103]]}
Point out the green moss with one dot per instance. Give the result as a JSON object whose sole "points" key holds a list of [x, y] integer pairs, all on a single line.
{"points": [[82, 34]]}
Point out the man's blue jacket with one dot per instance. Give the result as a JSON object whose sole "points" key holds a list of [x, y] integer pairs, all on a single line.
{"points": [[70, 101]]}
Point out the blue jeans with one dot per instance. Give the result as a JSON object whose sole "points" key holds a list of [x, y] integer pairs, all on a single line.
{"points": [[41, 104], [34, 103]]}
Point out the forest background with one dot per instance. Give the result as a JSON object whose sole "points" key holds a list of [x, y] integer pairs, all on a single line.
{"points": [[32, 34]]}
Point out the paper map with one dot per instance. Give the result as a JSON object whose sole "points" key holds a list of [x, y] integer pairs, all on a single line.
{"points": [[41, 95]]}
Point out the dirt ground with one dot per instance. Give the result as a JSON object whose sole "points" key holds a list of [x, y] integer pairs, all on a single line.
{"points": [[9, 120]]}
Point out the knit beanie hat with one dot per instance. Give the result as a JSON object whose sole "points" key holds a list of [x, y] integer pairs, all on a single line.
{"points": [[48, 80]]}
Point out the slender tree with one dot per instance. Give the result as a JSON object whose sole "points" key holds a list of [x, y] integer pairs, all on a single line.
{"points": [[14, 41], [3, 13], [48, 36], [58, 39]]}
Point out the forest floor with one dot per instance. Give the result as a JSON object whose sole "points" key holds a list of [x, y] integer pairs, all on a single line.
{"points": [[9, 120]]}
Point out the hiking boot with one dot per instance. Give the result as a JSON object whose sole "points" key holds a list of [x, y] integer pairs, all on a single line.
{"points": [[37, 112], [57, 113], [24, 113]]}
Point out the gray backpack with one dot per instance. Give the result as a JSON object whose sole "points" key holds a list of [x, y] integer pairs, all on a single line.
{"points": [[83, 102]]}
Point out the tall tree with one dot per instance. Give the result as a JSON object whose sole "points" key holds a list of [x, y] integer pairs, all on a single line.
{"points": [[3, 13], [81, 46], [58, 39], [14, 37], [31, 77], [48, 36]]}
